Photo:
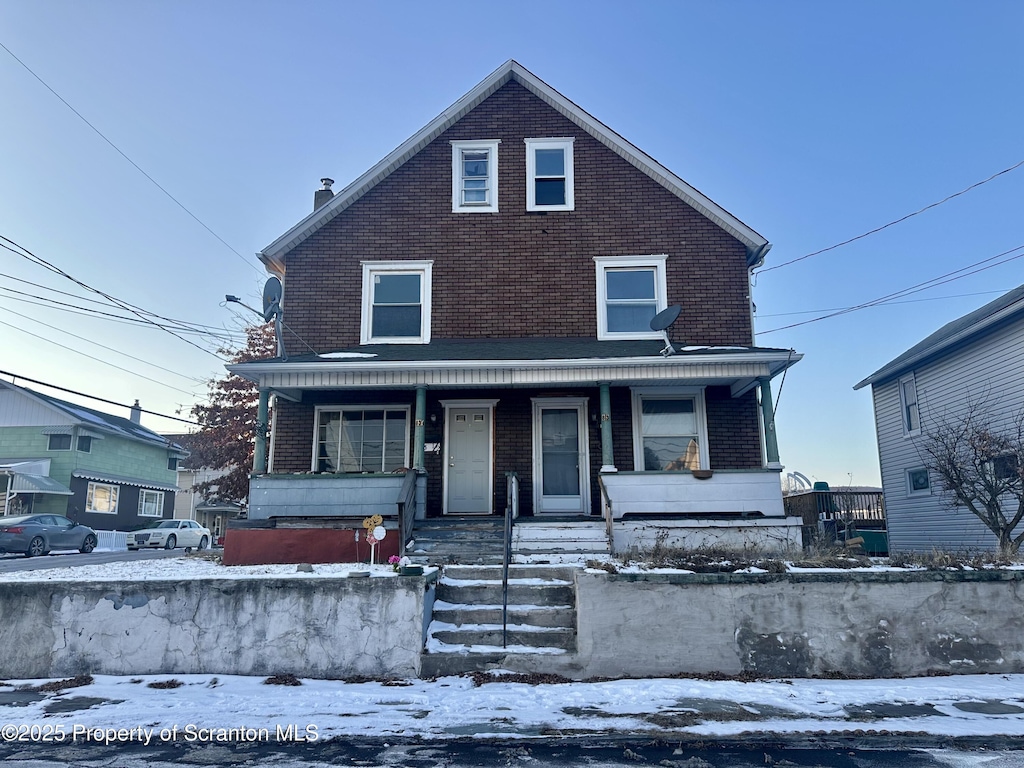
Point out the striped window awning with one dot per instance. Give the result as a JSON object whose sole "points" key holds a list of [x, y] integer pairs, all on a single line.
{"points": [[60, 430], [104, 477], [22, 482]]}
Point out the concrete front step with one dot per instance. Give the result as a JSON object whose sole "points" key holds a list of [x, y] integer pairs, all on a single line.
{"points": [[520, 592], [515, 571], [563, 617], [525, 636], [434, 665]]}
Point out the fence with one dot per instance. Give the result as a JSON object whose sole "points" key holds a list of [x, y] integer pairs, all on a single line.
{"points": [[837, 514], [113, 540]]}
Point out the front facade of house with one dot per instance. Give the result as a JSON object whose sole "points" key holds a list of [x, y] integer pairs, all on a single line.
{"points": [[977, 359], [480, 303], [103, 471]]}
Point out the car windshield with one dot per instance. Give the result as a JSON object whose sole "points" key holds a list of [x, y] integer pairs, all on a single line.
{"points": [[167, 524]]}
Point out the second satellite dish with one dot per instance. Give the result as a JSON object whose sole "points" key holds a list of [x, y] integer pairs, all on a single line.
{"points": [[662, 321], [272, 293]]}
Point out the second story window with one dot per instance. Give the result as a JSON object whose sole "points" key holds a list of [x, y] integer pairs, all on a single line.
{"points": [[58, 442], [549, 175], [85, 444], [630, 292], [396, 302], [908, 404], [475, 176]]}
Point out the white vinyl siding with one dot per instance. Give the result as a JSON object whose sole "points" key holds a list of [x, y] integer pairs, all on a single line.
{"points": [[991, 367]]}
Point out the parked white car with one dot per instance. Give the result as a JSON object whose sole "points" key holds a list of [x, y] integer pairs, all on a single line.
{"points": [[170, 534]]}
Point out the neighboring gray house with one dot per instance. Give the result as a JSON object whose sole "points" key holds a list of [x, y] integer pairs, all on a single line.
{"points": [[978, 358]]}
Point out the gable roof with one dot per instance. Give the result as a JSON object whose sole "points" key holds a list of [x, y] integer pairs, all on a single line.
{"points": [[1007, 306], [95, 420], [756, 245]]}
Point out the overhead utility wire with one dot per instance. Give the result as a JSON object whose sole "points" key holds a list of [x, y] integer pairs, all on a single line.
{"points": [[134, 164], [104, 346], [896, 221], [98, 360], [93, 397], [926, 285], [908, 301], [108, 316], [215, 329], [117, 302]]}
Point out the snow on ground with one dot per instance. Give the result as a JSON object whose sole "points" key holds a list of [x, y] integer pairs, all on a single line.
{"points": [[454, 707]]}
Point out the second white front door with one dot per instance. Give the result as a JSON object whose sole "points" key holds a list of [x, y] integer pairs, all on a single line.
{"points": [[468, 454], [561, 467]]}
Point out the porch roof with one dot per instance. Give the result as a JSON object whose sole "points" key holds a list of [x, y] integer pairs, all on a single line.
{"points": [[517, 362]]}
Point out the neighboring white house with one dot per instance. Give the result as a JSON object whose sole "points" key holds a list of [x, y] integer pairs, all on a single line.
{"points": [[190, 505], [978, 359]]}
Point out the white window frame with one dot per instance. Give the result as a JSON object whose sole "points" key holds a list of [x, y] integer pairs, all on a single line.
{"points": [[565, 144], [115, 493], [359, 407], [491, 148], [145, 493], [606, 263], [639, 394], [910, 485], [374, 268], [908, 430]]}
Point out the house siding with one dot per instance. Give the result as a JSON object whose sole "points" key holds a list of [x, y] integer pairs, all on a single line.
{"points": [[127, 516], [513, 273], [989, 369]]}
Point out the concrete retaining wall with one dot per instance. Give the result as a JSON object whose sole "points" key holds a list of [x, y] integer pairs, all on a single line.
{"points": [[327, 628], [799, 625]]}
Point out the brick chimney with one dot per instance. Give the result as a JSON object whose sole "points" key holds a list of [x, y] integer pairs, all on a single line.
{"points": [[323, 194], [136, 414]]}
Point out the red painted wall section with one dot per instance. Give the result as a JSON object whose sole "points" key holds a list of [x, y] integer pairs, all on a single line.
{"points": [[266, 546]]}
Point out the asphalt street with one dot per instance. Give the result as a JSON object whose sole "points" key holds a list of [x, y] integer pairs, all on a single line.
{"points": [[12, 563]]}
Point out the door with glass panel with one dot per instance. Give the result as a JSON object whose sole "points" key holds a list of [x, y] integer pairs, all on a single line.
{"points": [[561, 465]]}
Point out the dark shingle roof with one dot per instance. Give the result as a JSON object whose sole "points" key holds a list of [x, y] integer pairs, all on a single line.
{"points": [[973, 323]]}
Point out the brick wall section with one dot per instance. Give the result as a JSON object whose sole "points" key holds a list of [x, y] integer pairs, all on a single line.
{"points": [[513, 273], [734, 429]]}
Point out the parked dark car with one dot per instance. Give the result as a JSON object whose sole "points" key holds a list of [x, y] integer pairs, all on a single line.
{"points": [[38, 534]]}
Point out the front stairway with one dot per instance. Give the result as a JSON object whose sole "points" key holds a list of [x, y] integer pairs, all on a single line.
{"points": [[453, 539], [465, 634]]}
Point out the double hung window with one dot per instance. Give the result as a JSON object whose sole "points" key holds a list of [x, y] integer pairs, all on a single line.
{"points": [[669, 432], [475, 176], [396, 302], [361, 439], [630, 292], [151, 503], [549, 175], [908, 404]]}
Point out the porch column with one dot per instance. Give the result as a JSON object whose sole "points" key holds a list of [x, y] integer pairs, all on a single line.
{"points": [[420, 433], [607, 456], [259, 454], [771, 444]]}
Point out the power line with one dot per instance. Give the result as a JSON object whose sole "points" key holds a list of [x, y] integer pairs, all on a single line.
{"points": [[103, 346], [93, 397], [98, 360], [926, 285], [133, 163], [908, 301], [896, 221], [185, 324], [117, 302]]}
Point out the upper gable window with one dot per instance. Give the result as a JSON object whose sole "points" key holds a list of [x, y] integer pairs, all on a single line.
{"points": [[396, 302], [908, 403], [549, 175], [631, 290], [475, 176]]}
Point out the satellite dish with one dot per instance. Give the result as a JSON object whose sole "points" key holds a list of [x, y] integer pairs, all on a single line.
{"points": [[662, 321], [272, 293]]}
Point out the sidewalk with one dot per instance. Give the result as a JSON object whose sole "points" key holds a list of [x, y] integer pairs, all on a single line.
{"points": [[197, 709]]}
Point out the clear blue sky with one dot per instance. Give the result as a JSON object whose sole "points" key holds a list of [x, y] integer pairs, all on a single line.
{"points": [[812, 122]]}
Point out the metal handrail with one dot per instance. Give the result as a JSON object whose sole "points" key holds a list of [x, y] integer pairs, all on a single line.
{"points": [[406, 509], [511, 511]]}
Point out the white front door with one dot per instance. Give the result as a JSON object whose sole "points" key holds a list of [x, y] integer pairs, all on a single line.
{"points": [[561, 465], [468, 451]]}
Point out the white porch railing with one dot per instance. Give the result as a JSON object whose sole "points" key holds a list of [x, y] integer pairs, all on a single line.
{"points": [[725, 492], [112, 540]]}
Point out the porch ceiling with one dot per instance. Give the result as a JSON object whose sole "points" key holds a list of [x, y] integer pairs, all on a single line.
{"points": [[518, 363]]}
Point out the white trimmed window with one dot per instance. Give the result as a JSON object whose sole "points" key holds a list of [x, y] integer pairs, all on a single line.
{"points": [[475, 176], [630, 291], [102, 498], [396, 302], [911, 415], [361, 438], [549, 175], [918, 482], [151, 503], [669, 430]]}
